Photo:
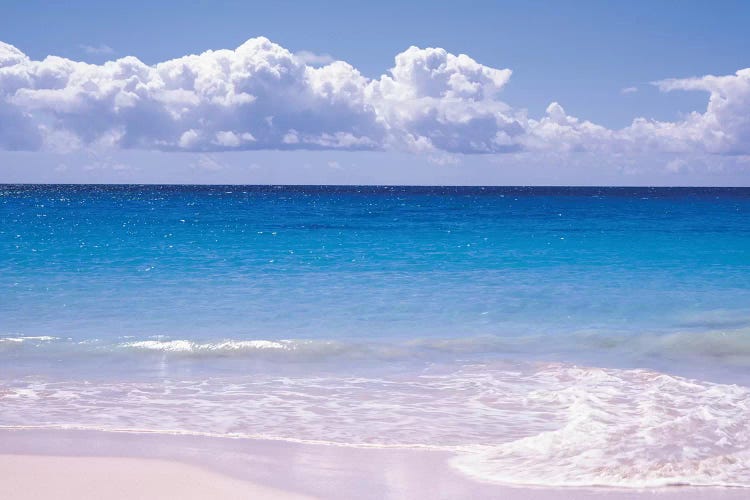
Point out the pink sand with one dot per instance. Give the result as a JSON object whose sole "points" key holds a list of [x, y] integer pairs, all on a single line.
{"points": [[26, 477], [83, 464]]}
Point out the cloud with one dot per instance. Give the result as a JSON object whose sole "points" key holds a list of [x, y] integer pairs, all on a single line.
{"points": [[434, 100], [313, 59], [558, 131], [629, 90], [262, 96], [725, 126], [207, 162], [676, 165], [97, 50], [723, 129]]}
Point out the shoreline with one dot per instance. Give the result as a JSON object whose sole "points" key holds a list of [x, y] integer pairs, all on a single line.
{"points": [[41, 464]]}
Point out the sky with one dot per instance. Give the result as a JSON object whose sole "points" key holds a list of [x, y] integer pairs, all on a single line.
{"points": [[488, 92]]}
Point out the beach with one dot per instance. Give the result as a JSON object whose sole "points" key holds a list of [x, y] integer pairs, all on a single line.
{"points": [[71, 478], [36, 465]]}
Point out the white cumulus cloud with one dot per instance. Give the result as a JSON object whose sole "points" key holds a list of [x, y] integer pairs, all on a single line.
{"points": [[725, 125], [262, 96], [314, 59]]}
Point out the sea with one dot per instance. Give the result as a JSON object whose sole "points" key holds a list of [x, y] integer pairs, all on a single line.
{"points": [[558, 336]]}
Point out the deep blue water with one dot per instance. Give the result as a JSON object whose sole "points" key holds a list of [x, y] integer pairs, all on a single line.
{"points": [[579, 270]]}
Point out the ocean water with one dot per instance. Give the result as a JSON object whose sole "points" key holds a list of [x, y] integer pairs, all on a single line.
{"points": [[547, 336]]}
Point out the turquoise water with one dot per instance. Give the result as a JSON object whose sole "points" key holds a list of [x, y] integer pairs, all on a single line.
{"points": [[582, 268], [340, 290]]}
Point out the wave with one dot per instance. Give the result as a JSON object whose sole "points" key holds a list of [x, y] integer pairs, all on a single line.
{"points": [[628, 428], [723, 346], [187, 346], [547, 424], [21, 339]]}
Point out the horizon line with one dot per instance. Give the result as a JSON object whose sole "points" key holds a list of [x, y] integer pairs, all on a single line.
{"points": [[573, 186]]}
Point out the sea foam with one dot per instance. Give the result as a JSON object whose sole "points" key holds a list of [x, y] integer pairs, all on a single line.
{"points": [[538, 423], [187, 346]]}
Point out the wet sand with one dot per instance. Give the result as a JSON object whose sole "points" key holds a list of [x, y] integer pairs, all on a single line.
{"points": [[84, 464]]}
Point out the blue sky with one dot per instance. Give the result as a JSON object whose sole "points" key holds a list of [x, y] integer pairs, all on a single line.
{"points": [[596, 59]]}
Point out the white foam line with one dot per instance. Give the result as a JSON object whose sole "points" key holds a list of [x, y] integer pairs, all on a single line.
{"points": [[43, 338], [233, 435], [189, 346], [632, 485]]}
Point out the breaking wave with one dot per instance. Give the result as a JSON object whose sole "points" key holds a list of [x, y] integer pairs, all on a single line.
{"points": [[187, 346], [730, 347], [21, 339]]}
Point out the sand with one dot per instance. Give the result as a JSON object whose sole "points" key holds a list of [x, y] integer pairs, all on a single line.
{"points": [[26, 477], [84, 464]]}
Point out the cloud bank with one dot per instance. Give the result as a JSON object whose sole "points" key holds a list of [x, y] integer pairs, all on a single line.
{"points": [[262, 96]]}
